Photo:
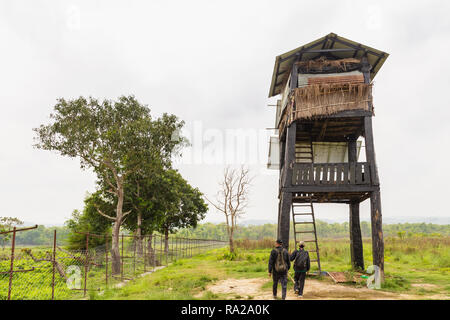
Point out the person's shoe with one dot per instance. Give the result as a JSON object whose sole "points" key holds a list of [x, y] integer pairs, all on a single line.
{"points": [[296, 291], [274, 297], [300, 296]]}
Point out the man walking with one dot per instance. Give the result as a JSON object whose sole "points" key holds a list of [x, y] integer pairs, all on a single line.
{"points": [[301, 266], [279, 265]]}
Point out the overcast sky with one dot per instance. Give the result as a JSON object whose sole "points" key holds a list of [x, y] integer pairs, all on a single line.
{"points": [[211, 63]]}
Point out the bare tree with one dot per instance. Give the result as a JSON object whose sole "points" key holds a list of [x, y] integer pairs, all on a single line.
{"points": [[232, 198]]}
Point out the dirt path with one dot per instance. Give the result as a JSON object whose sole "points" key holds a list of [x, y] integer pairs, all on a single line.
{"points": [[314, 289]]}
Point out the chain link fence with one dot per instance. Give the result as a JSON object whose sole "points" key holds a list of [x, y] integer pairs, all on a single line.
{"points": [[53, 272]]}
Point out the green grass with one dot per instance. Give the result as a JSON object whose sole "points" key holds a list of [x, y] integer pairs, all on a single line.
{"points": [[408, 264], [413, 266]]}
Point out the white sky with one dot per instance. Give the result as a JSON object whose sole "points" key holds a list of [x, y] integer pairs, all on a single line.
{"points": [[211, 63]]}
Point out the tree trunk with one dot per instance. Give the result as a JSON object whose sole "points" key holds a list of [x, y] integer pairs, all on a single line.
{"points": [[115, 252], [140, 251], [231, 241]]}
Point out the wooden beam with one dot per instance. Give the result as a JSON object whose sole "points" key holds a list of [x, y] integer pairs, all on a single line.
{"points": [[365, 69], [294, 77], [330, 188], [370, 150], [289, 157], [322, 130], [348, 113], [332, 50]]}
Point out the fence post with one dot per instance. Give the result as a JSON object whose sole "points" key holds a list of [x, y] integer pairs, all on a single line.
{"points": [[134, 255], [160, 249], [154, 252], [54, 264], [167, 253], [121, 260], [176, 248], [106, 258], [86, 263], [13, 245], [145, 253]]}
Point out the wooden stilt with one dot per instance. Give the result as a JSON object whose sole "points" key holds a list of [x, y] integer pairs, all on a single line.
{"points": [[285, 214], [377, 232], [286, 181], [356, 244]]}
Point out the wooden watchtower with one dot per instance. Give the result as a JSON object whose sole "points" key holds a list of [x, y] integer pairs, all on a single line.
{"points": [[325, 107]]}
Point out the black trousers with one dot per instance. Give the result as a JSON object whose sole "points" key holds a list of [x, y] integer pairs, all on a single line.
{"points": [[299, 279], [279, 277]]}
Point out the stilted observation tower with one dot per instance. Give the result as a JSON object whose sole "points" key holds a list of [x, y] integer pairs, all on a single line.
{"points": [[325, 107]]}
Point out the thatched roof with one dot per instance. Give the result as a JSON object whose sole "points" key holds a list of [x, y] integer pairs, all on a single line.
{"points": [[335, 46]]}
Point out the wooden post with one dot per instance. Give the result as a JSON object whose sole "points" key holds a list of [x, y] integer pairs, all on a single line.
{"points": [[294, 77], [286, 197], [154, 251], [54, 264], [377, 232], [375, 201], [86, 263], [106, 258], [356, 244], [11, 268], [370, 150], [134, 255], [144, 244], [121, 269]]}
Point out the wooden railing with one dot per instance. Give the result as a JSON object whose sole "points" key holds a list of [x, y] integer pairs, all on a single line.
{"points": [[331, 173]]}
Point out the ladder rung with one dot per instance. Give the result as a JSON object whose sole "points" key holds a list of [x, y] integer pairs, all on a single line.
{"points": [[301, 205], [314, 260], [309, 240], [304, 222], [312, 231], [302, 214]]}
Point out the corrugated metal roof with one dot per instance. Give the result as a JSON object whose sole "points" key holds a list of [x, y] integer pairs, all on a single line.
{"points": [[344, 48]]}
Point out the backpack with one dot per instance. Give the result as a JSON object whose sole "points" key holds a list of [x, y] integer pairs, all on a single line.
{"points": [[301, 260], [280, 264]]}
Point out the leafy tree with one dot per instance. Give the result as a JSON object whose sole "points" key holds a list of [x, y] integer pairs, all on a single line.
{"points": [[6, 224], [144, 202], [89, 221], [183, 205], [114, 139]]}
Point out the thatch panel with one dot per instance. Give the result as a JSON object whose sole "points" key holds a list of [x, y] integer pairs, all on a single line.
{"points": [[330, 98], [322, 99]]}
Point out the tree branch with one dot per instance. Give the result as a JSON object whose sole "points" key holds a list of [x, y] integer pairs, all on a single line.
{"points": [[105, 215]]}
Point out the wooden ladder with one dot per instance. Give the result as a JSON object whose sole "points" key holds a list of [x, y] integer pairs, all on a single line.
{"points": [[303, 210]]}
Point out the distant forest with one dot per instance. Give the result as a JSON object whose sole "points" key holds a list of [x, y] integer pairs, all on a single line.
{"points": [[324, 230], [43, 236]]}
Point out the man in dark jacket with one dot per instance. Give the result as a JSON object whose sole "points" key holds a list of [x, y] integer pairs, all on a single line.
{"points": [[300, 271], [279, 265]]}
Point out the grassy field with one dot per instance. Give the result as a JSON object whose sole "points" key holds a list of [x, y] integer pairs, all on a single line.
{"points": [[414, 266], [36, 283]]}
